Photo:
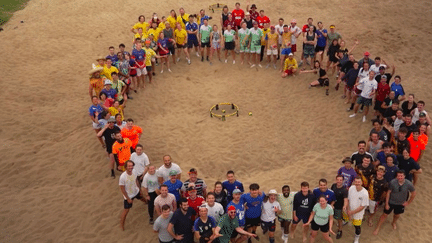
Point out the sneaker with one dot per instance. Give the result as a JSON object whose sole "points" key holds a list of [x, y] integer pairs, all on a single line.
{"points": [[226, 60], [151, 221], [207, 59], [356, 238], [188, 60], [300, 64], [268, 65], [349, 109], [274, 66], [353, 115], [253, 65], [197, 54], [169, 70], [360, 111], [178, 59], [162, 71], [259, 65], [202, 59], [339, 235], [154, 74], [233, 61], [364, 118]]}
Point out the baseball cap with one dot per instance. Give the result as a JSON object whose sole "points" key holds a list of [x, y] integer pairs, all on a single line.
{"points": [[191, 188], [290, 55], [148, 42], [236, 191], [107, 81], [347, 159], [173, 173], [247, 13], [366, 53], [381, 167], [422, 114], [111, 119], [381, 68], [332, 26], [253, 6], [272, 191], [383, 76], [272, 27], [231, 208]]}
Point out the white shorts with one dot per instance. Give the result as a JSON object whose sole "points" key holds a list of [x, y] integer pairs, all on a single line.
{"points": [[96, 126], [272, 52], [141, 71], [372, 206]]}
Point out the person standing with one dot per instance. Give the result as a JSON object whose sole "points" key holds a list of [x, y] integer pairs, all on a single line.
{"points": [[341, 204], [270, 209], [368, 91], [358, 200], [204, 226], [181, 224], [204, 33], [141, 161], [150, 185], [161, 224], [132, 132], [286, 200], [230, 184], [240, 213], [108, 132], [227, 225], [174, 185], [166, 168], [255, 44], [198, 183], [321, 218], [253, 200], [121, 150], [397, 199], [347, 172], [229, 42], [323, 190], [377, 191], [164, 198], [304, 202], [130, 189], [215, 209], [192, 30]]}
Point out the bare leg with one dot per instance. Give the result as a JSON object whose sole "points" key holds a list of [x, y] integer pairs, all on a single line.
{"points": [[380, 222], [305, 233], [100, 138], [123, 218], [395, 218]]}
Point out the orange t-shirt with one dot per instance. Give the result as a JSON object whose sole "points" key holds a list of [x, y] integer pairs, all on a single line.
{"points": [[97, 84], [132, 134], [122, 151], [416, 147]]}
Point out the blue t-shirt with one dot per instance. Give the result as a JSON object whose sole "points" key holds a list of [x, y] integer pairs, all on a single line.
{"points": [[226, 185], [205, 228], [398, 89], [383, 158], [192, 27], [202, 20], [138, 55], [164, 43], [94, 108], [174, 188], [110, 93], [390, 172], [253, 204], [329, 194], [322, 40], [113, 58], [240, 211]]}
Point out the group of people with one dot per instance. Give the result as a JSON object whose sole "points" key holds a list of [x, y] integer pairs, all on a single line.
{"points": [[382, 172]]}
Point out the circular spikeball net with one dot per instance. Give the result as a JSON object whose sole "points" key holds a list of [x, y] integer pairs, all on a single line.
{"points": [[224, 110]]}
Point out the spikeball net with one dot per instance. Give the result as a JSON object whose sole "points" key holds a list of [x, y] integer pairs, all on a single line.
{"points": [[224, 110]]}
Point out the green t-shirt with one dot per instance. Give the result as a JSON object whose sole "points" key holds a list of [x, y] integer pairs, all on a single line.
{"points": [[322, 215], [244, 36], [229, 35], [256, 35], [205, 33], [227, 227]]}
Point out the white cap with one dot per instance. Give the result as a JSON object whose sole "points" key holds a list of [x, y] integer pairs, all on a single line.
{"points": [[107, 81], [272, 191], [290, 55]]}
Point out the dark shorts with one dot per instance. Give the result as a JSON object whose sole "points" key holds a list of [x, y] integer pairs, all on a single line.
{"points": [[109, 149], [398, 209], [324, 81], [270, 226], [166, 241], [253, 222], [284, 220], [303, 218], [364, 101], [129, 205], [192, 42], [319, 48], [181, 46], [149, 69], [337, 214], [171, 50], [229, 45], [205, 44], [324, 228], [357, 91]]}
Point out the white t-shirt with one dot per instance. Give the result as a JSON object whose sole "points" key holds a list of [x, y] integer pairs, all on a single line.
{"points": [[375, 68], [150, 182], [129, 182], [357, 199], [397, 124], [122, 125], [368, 87], [294, 31], [160, 201], [279, 30], [216, 211], [141, 161], [268, 214], [416, 115], [164, 172]]}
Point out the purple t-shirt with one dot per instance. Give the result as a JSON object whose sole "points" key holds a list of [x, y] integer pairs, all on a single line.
{"points": [[348, 175], [113, 58], [112, 93]]}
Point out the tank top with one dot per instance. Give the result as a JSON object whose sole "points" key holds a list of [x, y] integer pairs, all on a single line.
{"points": [[216, 37], [310, 38], [373, 149]]}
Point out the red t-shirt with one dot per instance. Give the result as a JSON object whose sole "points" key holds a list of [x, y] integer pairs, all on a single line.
{"points": [[305, 28], [382, 91], [238, 16], [262, 20], [232, 23], [196, 203], [254, 15], [416, 147]]}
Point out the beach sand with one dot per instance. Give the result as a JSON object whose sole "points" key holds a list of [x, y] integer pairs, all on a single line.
{"points": [[55, 185]]}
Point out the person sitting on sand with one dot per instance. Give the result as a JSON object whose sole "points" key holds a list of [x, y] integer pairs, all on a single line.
{"points": [[323, 79], [290, 66]]}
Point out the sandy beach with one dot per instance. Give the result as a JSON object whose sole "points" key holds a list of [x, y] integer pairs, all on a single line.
{"points": [[55, 185]]}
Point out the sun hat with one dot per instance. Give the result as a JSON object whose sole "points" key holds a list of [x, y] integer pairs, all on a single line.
{"points": [[272, 191]]}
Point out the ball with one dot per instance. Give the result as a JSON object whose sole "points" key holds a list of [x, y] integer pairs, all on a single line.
{"points": [[250, 113]]}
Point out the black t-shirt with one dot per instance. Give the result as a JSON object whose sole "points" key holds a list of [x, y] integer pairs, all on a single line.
{"points": [[377, 188], [341, 194], [401, 145], [183, 223], [322, 72], [407, 110], [388, 101], [224, 17], [249, 24], [109, 134], [389, 112], [221, 198], [303, 205], [205, 229], [418, 124], [347, 66], [410, 128], [351, 76], [407, 165], [332, 52], [378, 77], [358, 158]]}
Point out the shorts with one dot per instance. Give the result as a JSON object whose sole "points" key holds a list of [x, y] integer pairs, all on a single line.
{"points": [[319, 48], [171, 50], [357, 222], [324, 228], [349, 88], [293, 48], [255, 49], [333, 59], [181, 46], [205, 44], [289, 71], [141, 71], [308, 51], [286, 51], [96, 126], [372, 206], [272, 52], [357, 91], [149, 69], [129, 205], [172, 241], [268, 226], [133, 74], [229, 45], [398, 209], [337, 214], [215, 45], [253, 222], [284, 220], [192, 42], [323, 81], [244, 48], [377, 105], [235, 233], [364, 101], [303, 218]]}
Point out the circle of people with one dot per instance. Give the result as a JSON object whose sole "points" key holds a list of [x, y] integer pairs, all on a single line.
{"points": [[382, 173]]}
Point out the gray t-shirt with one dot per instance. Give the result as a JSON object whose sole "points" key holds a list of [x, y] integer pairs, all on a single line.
{"points": [[399, 194], [150, 182], [161, 225]]}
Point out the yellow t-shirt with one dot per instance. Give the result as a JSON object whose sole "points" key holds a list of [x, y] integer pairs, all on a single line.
{"points": [[143, 26], [142, 37], [180, 36], [162, 25], [155, 33], [107, 72], [292, 63], [172, 21], [265, 32], [286, 39], [113, 111], [186, 19], [150, 53], [272, 40]]}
